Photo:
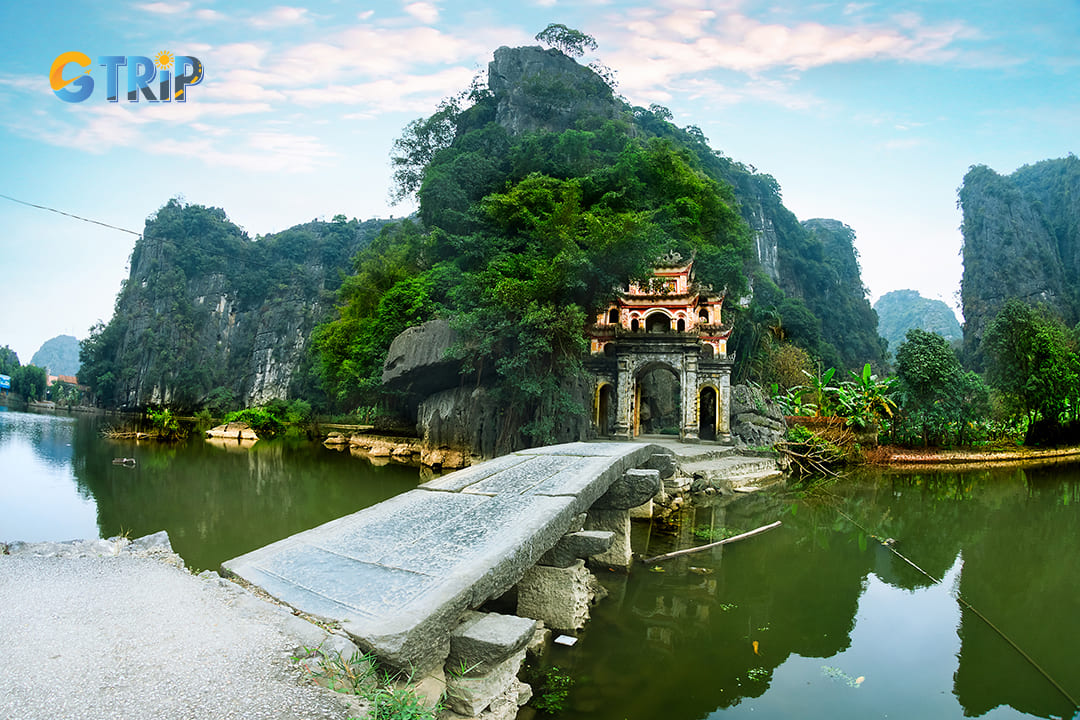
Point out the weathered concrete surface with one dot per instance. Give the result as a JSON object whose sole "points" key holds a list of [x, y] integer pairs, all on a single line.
{"points": [[469, 695], [399, 576]]}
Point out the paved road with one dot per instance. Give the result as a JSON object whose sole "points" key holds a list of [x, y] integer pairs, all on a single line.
{"points": [[94, 637]]}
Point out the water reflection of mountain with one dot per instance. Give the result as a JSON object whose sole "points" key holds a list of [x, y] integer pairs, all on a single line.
{"points": [[678, 644]]}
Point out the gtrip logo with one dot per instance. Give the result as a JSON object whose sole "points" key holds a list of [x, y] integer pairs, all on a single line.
{"points": [[171, 75]]}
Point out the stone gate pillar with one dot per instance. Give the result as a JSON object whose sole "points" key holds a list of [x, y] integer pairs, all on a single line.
{"points": [[723, 428], [624, 392], [689, 392]]}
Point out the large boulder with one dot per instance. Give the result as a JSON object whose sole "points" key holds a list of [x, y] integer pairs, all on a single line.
{"points": [[756, 421], [472, 422], [466, 420], [418, 363]]}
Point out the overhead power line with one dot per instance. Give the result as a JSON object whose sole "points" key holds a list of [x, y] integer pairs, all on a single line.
{"points": [[70, 215]]}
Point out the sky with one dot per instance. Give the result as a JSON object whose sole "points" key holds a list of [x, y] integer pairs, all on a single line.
{"points": [[867, 112]]}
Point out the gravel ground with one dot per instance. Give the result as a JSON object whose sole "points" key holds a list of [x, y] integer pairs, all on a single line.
{"points": [[128, 635]]}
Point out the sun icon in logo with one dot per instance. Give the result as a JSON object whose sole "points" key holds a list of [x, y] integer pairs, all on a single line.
{"points": [[163, 60]]}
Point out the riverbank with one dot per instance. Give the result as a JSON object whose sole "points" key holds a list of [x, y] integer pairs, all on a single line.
{"points": [[907, 458]]}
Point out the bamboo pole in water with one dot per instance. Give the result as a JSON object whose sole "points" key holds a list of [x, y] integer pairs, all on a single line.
{"points": [[751, 533]]}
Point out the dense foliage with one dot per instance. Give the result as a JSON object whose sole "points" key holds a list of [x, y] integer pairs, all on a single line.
{"points": [[941, 402], [29, 381], [523, 234], [1033, 363], [9, 361]]}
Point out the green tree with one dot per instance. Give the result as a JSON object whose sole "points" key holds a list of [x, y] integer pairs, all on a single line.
{"points": [[939, 401], [29, 381], [522, 237], [9, 361], [566, 40], [416, 147], [1032, 362]]}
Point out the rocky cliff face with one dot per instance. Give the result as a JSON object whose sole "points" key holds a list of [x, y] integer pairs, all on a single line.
{"points": [[208, 313], [541, 89], [1021, 240]]}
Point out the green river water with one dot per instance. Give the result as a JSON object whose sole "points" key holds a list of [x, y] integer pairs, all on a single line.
{"points": [[816, 619]]}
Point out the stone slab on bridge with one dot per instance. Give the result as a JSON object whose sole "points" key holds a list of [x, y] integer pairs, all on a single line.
{"points": [[398, 576]]}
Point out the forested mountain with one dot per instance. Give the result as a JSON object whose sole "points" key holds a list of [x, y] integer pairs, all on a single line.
{"points": [[901, 310], [60, 355], [208, 315], [540, 194], [1021, 240]]}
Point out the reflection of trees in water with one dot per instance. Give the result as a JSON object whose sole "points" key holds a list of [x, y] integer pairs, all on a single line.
{"points": [[217, 504], [679, 645], [1027, 581]]}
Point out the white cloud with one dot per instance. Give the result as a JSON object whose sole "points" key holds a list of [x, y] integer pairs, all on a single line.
{"points": [[416, 93], [27, 83], [208, 15], [365, 70], [854, 8], [425, 12], [655, 47], [165, 8], [280, 16]]}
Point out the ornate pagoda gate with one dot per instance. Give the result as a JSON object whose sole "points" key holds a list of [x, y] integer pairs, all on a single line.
{"points": [[670, 322]]}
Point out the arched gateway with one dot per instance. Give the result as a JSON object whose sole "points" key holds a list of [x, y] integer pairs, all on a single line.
{"points": [[669, 322]]}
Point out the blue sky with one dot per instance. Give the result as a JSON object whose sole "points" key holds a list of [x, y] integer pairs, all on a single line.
{"points": [[866, 112]]}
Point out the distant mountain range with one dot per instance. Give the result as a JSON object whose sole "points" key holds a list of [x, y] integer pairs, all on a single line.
{"points": [[902, 310], [60, 355]]}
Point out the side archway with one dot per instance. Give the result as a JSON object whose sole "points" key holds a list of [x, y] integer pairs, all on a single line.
{"points": [[605, 408]]}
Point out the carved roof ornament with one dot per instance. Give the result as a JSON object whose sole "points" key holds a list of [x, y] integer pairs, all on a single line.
{"points": [[670, 259]]}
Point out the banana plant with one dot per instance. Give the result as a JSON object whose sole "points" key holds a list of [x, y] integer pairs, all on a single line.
{"points": [[865, 399]]}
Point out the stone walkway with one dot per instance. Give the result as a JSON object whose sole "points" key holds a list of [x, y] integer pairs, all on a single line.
{"points": [[720, 465], [399, 576]]}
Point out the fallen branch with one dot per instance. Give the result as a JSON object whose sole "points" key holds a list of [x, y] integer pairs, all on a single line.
{"points": [[725, 541]]}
